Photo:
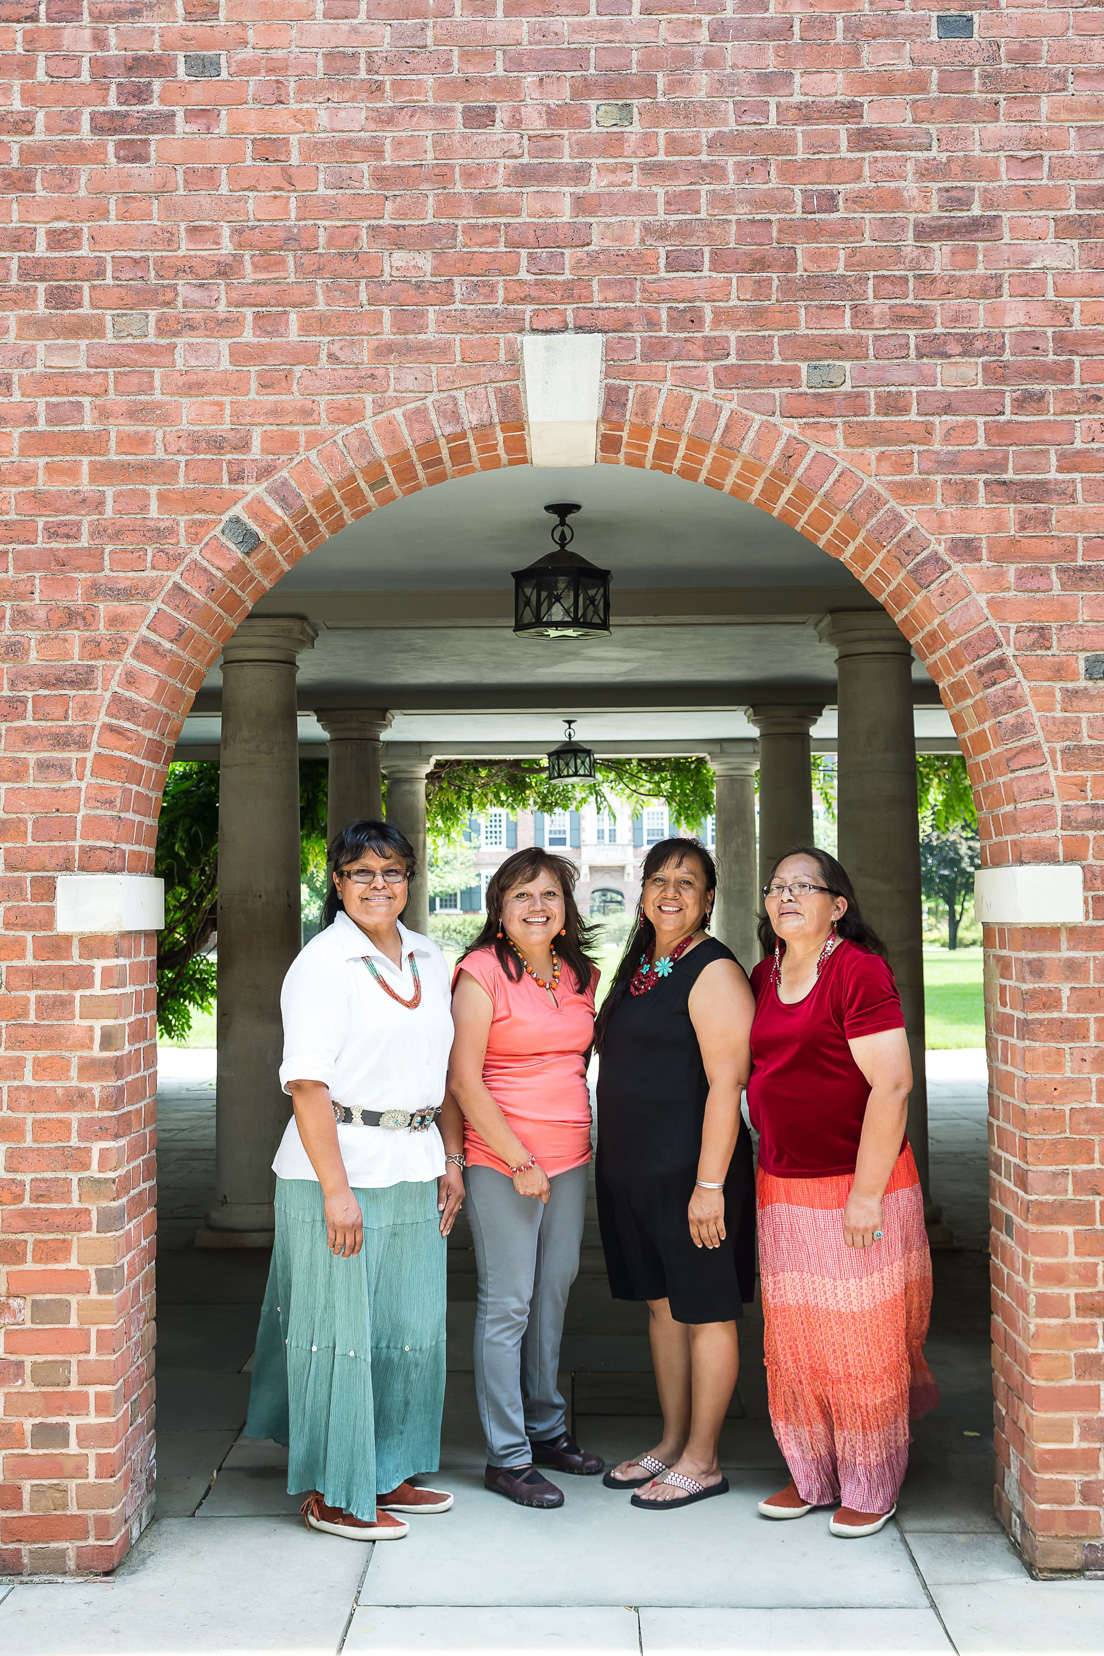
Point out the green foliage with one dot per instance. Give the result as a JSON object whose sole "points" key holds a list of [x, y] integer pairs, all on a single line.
{"points": [[187, 861], [451, 866], [943, 793], [459, 788], [948, 862], [453, 933], [825, 779]]}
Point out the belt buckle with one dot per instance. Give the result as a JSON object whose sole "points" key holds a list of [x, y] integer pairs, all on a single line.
{"points": [[421, 1121], [395, 1119]]}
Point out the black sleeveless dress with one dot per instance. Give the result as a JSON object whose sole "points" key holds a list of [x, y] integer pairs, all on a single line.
{"points": [[652, 1089]]}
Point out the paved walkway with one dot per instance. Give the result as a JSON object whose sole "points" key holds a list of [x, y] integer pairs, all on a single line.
{"points": [[228, 1567]]}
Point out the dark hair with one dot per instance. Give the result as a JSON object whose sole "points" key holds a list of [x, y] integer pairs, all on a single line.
{"points": [[381, 838], [575, 943], [642, 938], [838, 881]]}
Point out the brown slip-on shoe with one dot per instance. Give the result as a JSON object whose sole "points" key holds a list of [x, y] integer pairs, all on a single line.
{"points": [[565, 1455], [409, 1498], [332, 1521], [851, 1524], [786, 1504], [523, 1485]]}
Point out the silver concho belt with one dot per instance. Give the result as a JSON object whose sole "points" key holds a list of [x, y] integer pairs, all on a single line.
{"points": [[414, 1121]]}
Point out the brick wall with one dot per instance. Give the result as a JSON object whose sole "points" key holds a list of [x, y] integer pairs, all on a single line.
{"points": [[273, 261]]}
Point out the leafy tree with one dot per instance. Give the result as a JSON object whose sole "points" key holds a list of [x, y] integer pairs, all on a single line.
{"points": [[187, 860], [943, 793], [948, 861], [459, 788], [451, 866]]}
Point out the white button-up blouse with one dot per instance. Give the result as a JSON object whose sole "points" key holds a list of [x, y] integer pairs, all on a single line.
{"points": [[342, 1028]]}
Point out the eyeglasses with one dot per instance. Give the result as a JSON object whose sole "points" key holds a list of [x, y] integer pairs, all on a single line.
{"points": [[369, 876], [796, 888]]}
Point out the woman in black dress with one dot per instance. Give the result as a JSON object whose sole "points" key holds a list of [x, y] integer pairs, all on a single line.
{"points": [[676, 1192]]}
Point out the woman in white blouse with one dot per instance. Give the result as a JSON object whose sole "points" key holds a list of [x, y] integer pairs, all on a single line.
{"points": [[350, 1363]]}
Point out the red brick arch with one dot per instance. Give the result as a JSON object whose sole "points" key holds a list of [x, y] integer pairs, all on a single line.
{"points": [[692, 435]]}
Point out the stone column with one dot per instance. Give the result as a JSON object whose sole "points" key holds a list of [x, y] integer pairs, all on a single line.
{"points": [[879, 830], [734, 765], [407, 764], [258, 917], [785, 779], [355, 789]]}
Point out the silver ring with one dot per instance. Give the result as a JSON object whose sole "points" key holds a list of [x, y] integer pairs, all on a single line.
{"points": [[877, 1236]]}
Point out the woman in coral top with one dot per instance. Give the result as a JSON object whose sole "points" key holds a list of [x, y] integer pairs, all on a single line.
{"points": [[843, 1253], [523, 1007]]}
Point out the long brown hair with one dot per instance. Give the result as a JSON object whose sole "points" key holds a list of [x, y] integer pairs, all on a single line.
{"points": [[573, 946], [838, 881], [642, 940]]}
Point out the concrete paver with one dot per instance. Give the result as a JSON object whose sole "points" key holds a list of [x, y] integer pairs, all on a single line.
{"points": [[955, 1557], [787, 1632], [258, 1585], [504, 1630], [1024, 1618], [599, 1550]]}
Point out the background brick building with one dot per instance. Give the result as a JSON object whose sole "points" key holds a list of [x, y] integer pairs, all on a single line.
{"points": [[269, 269]]}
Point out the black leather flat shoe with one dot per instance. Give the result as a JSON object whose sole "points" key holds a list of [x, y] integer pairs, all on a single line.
{"points": [[565, 1455], [523, 1485]]}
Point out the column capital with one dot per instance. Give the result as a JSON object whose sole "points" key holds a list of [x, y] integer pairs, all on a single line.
{"points": [[733, 757], [863, 633], [406, 761], [785, 718], [274, 638], [352, 724]]}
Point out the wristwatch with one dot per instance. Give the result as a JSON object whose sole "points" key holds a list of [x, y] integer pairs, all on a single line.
{"points": [[458, 1161]]}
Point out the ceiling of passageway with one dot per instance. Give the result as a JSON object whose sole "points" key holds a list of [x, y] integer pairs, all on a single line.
{"points": [[713, 607], [650, 529]]}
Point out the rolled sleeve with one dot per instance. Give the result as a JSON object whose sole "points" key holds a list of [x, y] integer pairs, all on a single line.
{"points": [[314, 1008]]}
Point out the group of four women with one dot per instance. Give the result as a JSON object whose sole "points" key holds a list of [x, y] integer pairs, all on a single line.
{"points": [[406, 1106]]}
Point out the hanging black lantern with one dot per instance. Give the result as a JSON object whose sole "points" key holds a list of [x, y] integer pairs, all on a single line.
{"points": [[562, 595], [571, 762]]}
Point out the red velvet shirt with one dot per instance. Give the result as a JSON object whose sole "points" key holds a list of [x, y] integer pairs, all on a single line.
{"points": [[806, 1095]]}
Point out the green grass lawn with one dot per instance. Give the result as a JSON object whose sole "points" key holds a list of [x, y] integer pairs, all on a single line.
{"points": [[952, 998], [953, 1006]]}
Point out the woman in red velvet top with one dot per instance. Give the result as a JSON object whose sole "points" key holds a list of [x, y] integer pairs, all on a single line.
{"points": [[843, 1253]]}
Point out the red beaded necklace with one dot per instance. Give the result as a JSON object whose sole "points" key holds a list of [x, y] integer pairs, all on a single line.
{"points": [[541, 983], [647, 975], [416, 998]]}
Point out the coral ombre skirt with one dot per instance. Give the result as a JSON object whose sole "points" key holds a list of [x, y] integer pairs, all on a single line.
{"points": [[845, 1329]]}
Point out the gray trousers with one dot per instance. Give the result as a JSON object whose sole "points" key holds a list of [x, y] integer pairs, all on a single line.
{"points": [[527, 1256]]}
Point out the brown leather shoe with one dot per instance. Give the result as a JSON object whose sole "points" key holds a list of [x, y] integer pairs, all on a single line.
{"points": [[409, 1497], [565, 1455], [523, 1485], [332, 1521]]}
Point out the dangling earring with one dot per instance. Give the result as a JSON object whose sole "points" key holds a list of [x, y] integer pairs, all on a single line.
{"points": [[708, 920], [563, 931], [777, 963], [498, 934]]}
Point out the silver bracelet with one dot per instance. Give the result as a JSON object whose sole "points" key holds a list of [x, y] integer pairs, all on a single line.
{"points": [[703, 1184], [458, 1161]]}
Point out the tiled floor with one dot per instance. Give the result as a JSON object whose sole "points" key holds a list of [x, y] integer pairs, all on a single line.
{"points": [[228, 1567]]}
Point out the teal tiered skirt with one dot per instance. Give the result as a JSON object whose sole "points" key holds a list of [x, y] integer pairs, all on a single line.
{"points": [[349, 1370]]}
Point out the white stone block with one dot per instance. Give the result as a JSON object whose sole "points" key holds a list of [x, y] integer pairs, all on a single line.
{"points": [[1034, 894], [562, 382], [102, 903]]}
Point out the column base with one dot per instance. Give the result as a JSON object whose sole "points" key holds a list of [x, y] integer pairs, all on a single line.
{"points": [[205, 1237]]}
